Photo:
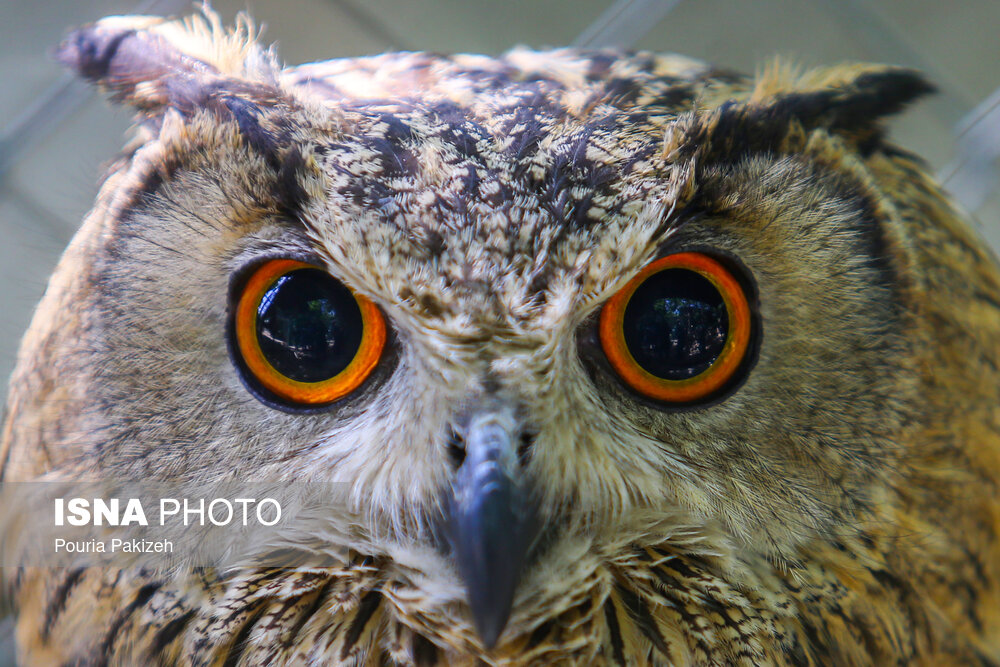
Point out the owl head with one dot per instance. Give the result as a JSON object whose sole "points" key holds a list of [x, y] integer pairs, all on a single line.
{"points": [[544, 315]]}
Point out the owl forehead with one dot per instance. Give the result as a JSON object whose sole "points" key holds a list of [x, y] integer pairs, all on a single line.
{"points": [[452, 208]]}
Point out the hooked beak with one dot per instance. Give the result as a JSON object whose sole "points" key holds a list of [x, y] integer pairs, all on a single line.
{"points": [[492, 522]]}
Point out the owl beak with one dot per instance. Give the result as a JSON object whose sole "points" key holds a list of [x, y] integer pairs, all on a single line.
{"points": [[492, 522]]}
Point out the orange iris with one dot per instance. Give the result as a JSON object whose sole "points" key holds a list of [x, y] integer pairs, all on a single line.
{"points": [[706, 382], [264, 284]]}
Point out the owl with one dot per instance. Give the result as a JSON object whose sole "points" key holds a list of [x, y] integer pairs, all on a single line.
{"points": [[621, 358]]}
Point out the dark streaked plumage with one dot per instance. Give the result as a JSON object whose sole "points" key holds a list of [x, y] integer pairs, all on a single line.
{"points": [[839, 507]]}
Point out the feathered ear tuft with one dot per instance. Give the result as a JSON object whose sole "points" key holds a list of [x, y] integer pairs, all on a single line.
{"points": [[786, 105], [849, 99], [153, 63]]}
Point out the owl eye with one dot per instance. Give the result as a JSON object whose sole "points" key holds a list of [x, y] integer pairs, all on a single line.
{"points": [[303, 335], [680, 330]]}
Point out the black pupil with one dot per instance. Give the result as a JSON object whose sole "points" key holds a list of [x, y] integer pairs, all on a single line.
{"points": [[675, 324], [309, 325]]}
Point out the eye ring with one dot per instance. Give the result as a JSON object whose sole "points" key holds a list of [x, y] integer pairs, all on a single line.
{"points": [[705, 384], [264, 281]]}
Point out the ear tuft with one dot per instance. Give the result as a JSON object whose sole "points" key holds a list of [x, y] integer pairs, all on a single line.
{"points": [[848, 98], [878, 94], [153, 63], [786, 105]]}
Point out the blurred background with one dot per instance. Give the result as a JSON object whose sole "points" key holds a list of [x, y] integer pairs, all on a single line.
{"points": [[56, 133]]}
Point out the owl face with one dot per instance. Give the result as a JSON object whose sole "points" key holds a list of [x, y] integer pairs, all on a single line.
{"points": [[535, 307]]}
